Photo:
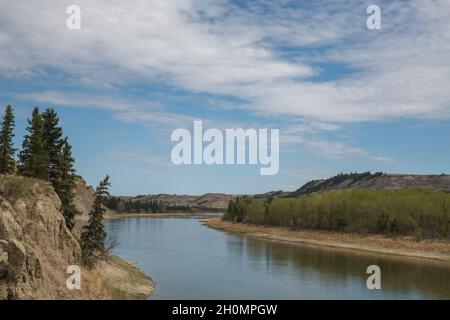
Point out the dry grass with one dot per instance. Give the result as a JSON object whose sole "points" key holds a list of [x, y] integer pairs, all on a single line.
{"points": [[124, 281]]}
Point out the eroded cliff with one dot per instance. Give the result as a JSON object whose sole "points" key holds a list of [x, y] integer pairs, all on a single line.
{"points": [[36, 248]]}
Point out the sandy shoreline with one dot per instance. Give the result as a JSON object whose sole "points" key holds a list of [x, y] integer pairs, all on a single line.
{"points": [[399, 246]]}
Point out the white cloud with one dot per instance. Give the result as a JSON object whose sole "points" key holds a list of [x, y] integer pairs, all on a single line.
{"points": [[219, 48], [87, 100], [149, 114]]}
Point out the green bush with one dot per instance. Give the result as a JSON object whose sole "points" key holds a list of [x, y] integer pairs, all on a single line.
{"points": [[419, 213]]}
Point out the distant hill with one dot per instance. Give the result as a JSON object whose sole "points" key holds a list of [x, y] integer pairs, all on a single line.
{"points": [[272, 194], [174, 202], [215, 201], [219, 201], [377, 180]]}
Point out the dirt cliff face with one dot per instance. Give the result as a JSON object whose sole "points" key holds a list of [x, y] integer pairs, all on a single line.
{"points": [[36, 248], [35, 245], [84, 199], [84, 196], [216, 201]]}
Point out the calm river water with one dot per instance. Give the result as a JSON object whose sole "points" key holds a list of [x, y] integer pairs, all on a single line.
{"points": [[190, 261]]}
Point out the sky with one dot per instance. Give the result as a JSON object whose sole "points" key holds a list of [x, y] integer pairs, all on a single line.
{"points": [[344, 98]]}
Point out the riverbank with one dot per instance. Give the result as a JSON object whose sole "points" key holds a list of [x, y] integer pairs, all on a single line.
{"points": [[400, 246], [112, 279], [121, 280]]}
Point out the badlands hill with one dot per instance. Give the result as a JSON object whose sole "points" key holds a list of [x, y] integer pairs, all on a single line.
{"points": [[375, 181], [208, 201]]}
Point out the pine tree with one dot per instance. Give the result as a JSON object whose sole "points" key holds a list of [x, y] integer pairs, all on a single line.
{"points": [[34, 157], [7, 162], [53, 143], [93, 234], [60, 164], [64, 183]]}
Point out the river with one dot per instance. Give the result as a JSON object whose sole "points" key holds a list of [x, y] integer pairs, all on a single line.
{"points": [[190, 261]]}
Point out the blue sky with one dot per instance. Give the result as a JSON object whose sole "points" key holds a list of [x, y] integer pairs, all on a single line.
{"points": [[345, 98]]}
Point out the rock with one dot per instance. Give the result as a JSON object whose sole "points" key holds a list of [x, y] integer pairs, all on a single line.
{"points": [[34, 241], [84, 196]]}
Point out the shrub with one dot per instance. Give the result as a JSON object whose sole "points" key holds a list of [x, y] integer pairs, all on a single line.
{"points": [[418, 213]]}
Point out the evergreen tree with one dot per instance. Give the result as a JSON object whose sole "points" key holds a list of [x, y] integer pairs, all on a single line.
{"points": [[7, 162], [61, 172], [53, 143], [64, 183], [34, 157], [93, 234]]}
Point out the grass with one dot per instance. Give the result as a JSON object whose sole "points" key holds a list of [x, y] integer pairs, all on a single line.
{"points": [[124, 286], [15, 187]]}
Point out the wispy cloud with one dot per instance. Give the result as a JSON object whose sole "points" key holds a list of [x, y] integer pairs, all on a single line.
{"points": [[332, 149], [108, 101], [264, 55], [150, 114], [220, 48]]}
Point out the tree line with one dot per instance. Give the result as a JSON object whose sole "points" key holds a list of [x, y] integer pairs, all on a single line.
{"points": [[46, 154], [124, 205], [128, 205], [417, 213]]}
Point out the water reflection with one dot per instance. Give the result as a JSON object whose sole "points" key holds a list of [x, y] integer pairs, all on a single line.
{"points": [[400, 276], [190, 261]]}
